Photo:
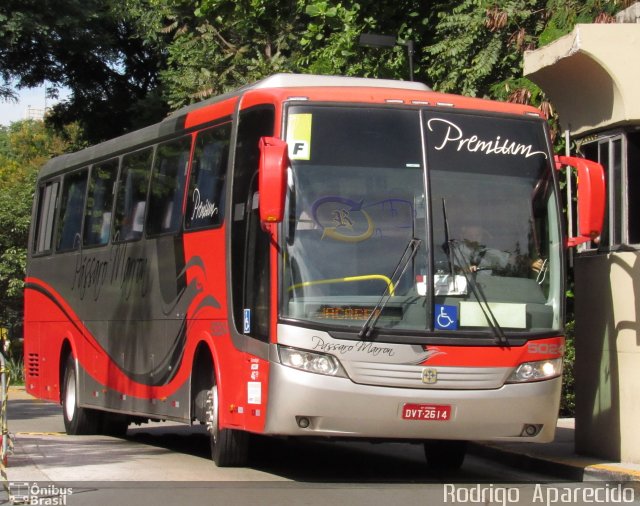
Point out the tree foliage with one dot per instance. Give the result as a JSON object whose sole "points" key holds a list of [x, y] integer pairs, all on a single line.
{"points": [[24, 147], [89, 47], [473, 47], [218, 45], [126, 60], [478, 44], [222, 44]]}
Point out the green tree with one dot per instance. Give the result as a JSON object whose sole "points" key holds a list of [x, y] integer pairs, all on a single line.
{"points": [[89, 47], [24, 147], [7, 94], [329, 42], [218, 45], [123, 60], [225, 44], [477, 45], [473, 47]]}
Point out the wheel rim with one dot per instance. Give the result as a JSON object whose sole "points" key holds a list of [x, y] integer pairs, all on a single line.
{"points": [[212, 413], [70, 396]]}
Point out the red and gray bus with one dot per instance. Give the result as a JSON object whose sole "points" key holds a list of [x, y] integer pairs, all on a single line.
{"points": [[309, 256]]}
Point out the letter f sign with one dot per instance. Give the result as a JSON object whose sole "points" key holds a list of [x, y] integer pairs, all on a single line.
{"points": [[299, 150]]}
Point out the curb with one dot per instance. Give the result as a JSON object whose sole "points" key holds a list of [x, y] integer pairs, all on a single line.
{"points": [[569, 468], [528, 462], [610, 472]]}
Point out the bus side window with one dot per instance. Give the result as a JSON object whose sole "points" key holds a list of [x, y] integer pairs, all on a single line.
{"points": [[167, 186], [71, 210], [131, 195], [47, 199], [97, 219], [205, 204]]}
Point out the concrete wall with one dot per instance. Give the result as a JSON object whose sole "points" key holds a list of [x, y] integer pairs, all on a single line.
{"points": [[607, 367], [591, 76]]}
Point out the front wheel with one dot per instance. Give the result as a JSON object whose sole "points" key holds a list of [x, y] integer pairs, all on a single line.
{"points": [[444, 455], [229, 447], [77, 420]]}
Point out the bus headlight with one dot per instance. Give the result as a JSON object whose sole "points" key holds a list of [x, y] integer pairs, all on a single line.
{"points": [[318, 363], [536, 371]]}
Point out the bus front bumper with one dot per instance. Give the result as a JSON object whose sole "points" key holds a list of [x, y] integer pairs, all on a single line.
{"points": [[306, 404]]}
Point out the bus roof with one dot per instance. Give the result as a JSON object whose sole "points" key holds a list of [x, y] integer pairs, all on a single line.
{"points": [[175, 122], [308, 81]]}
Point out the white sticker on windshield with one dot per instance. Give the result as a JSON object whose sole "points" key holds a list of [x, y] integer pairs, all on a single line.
{"points": [[507, 314], [299, 136]]}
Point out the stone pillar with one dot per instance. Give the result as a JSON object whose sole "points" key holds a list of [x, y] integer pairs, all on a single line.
{"points": [[607, 367]]}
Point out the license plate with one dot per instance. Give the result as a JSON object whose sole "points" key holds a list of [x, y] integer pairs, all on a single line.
{"points": [[429, 412]]}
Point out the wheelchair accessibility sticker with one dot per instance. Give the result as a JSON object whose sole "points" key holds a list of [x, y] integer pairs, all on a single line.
{"points": [[446, 317]]}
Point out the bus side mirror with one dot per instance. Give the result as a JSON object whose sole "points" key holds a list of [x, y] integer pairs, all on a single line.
{"points": [[591, 197], [272, 178]]}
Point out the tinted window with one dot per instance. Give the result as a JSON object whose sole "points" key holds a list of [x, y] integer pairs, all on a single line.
{"points": [[206, 186], [71, 210], [633, 185], [167, 186], [132, 195], [358, 137], [98, 216], [46, 214]]}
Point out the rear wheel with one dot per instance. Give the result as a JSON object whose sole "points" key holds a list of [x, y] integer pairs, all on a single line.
{"points": [[77, 420], [229, 447], [444, 455]]}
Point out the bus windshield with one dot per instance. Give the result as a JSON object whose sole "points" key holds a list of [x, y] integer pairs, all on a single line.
{"points": [[472, 194]]}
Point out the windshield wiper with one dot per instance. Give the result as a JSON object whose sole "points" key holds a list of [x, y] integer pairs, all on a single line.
{"points": [[469, 276], [456, 256], [447, 238], [408, 254]]}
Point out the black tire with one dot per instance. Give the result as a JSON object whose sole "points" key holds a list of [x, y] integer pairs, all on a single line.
{"points": [[445, 455], [77, 420], [229, 447]]}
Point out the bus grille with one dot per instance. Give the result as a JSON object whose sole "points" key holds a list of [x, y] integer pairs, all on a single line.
{"points": [[411, 376], [33, 365]]}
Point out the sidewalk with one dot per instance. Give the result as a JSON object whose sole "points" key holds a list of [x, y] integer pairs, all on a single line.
{"points": [[18, 392], [558, 458]]}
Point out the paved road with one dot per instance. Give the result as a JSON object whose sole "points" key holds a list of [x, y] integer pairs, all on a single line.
{"points": [[167, 462]]}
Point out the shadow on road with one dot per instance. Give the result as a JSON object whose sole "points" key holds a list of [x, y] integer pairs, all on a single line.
{"points": [[320, 461]]}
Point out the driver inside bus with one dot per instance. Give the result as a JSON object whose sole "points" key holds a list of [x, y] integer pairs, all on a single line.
{"points": [[479, 256]]}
